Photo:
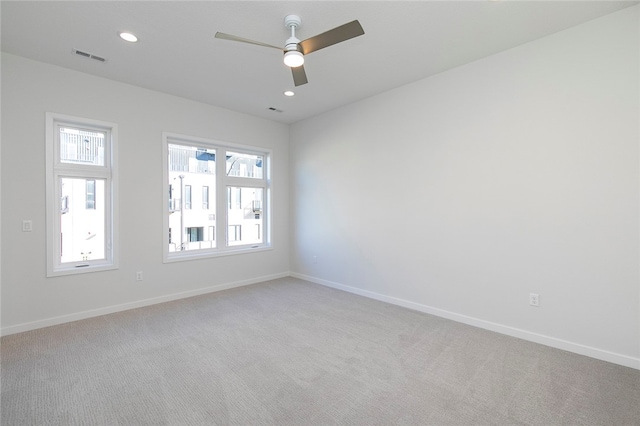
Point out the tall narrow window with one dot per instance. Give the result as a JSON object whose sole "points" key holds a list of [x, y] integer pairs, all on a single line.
{"points": [[205, 198], [91, 194], [81, 186], [235, 233], [174, 203], [187, 197], [234, 198], [235, 191]]}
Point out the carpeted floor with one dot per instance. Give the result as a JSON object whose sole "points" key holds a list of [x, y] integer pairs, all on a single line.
{"points": [[288, 352]]}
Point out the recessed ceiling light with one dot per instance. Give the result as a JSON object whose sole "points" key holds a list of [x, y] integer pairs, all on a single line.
{"points": [[130, 37], [289, 93]]}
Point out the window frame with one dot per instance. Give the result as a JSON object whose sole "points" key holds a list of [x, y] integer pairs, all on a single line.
{"points": [[222, 182], [56, 170]]}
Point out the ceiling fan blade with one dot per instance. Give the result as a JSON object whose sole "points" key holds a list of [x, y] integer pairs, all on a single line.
{"points": [[244, 40], [299, 76], [331, 37]]}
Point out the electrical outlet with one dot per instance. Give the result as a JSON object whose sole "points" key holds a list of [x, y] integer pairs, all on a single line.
{"points": [[534, 299], [139, 276], [27, 226]]}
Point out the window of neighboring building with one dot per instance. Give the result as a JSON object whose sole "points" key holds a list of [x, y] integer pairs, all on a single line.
{"points": [[81, 185], [235, 233], [234, 198], [64, 205], [205, 198], [187, 196], [235, 190], [195, 233], [91, 194]]}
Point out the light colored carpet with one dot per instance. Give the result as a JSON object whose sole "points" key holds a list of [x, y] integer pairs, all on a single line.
{"points": [[288, 352]]}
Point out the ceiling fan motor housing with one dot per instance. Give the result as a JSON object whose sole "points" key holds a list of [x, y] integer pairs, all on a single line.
{"points": [[292, 21], [292, 45]]}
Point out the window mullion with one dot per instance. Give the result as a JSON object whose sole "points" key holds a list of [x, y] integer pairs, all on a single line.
{"points": [[239, 181], [221, 200], [80, 173]]}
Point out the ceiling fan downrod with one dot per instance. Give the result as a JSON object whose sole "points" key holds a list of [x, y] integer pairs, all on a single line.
{"points": [[293, 57]]}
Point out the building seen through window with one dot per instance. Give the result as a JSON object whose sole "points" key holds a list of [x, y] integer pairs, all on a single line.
{"points": [[203, 193]]}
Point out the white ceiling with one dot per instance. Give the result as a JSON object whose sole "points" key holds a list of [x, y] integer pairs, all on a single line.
{"points": [[177, 53]]}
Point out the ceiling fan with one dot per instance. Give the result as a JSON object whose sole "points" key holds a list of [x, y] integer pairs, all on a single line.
{"points": [[294, 49]]}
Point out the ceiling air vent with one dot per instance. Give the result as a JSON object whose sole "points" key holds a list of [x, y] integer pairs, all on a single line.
{"points": [[89, 55]]}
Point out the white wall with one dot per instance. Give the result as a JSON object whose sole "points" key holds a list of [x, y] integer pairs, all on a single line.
{"points": [[29, 299], [462, 193]]}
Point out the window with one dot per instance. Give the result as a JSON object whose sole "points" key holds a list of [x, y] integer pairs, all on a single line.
{"points": [[64, 205], [187, 196], [195, 233], [243, 213], [91, 194], [235, 191], [234, 198], [81, 186], [244, 165], [205, 198], [235, 233]]}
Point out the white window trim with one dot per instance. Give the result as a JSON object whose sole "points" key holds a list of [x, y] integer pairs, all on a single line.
{"points": [[54, 171], [222, 181]]}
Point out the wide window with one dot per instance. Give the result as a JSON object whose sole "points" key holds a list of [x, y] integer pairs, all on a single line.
{"points": [[217, 198], [81, 183]]}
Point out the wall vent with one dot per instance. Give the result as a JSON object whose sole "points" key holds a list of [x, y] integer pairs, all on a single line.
{"points": [[89, 55]]}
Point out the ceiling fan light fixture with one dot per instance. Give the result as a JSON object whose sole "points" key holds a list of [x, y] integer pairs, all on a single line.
{"points": [[293, 59]]}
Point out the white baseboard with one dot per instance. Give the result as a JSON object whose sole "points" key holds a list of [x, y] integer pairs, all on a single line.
{"points": [[577, 348], [19, 328]]}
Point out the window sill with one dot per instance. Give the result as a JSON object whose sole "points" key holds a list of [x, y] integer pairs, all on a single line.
{"points": [[207, 254], [62, 271]]}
